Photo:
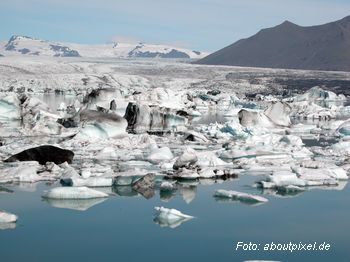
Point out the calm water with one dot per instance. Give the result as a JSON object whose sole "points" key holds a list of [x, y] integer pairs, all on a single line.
{"points": [[122, 229]]}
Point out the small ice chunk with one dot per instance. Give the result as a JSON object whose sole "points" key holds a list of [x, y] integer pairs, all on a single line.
{"points": [[286, 178], [188, 158], [6, 217], [243, 197], [73, 193], [166, 217]]}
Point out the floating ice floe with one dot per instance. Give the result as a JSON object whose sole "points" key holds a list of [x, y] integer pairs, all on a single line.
{"points": [[22, 172], [73, 193], [166, 217], [336, 173], [6, 217], [304, 177], [240, 196]]}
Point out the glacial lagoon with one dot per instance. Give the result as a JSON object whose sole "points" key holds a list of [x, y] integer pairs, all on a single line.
{"points": [[291, 149], [122, 227]]}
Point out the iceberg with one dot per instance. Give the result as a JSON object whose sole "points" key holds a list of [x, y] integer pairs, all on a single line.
{"points": [[9, 107], [187, 159], [73, 193], [143, 118], [172, 218], [158, 155], [6, 217], [278, 113], [240, 196]]}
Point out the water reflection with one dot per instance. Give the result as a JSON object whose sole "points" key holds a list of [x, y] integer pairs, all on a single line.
{"points": [[5, 190], [281, 193], [4, 226], [169, 223], [188, 192], [125, 191], [74, 204]]}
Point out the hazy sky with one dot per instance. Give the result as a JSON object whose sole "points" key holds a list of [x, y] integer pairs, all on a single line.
{"points": [[197, 24]]}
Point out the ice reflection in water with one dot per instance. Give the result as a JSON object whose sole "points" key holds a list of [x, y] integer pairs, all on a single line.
{"points": [[74, 204]]}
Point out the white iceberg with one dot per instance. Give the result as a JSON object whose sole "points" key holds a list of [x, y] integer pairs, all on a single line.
{"points": [[158, 155], [166, 217], [240, 196], [188, 157], [73, 193], [9, 107], [6, 217]]}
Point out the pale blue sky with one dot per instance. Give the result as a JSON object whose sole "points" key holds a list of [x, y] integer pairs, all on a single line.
{"points": [[197, 24]]}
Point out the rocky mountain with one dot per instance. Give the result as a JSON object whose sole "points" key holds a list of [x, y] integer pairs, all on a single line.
{"points": [[24, 45], [321, 47]]}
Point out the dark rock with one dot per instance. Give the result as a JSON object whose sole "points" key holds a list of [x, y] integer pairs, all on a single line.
{"points": [[136, 93], [113, 105], [5, 190], [68, 122], [182, 113], [214, 92], [145, 185], [43, 154], [24, 51], [64, 51], [137, 52]]}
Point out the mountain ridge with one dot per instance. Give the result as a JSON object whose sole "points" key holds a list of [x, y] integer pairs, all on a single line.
{"points": [[290, 46], [25, 45]]}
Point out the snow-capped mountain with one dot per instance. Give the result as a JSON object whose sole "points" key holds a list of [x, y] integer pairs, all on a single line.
{"points": [[24, 45]]}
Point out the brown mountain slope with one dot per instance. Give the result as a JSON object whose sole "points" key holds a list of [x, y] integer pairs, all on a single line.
{"points": [[322, 47]]}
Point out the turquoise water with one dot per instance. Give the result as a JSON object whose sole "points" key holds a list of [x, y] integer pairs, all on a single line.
{"points": [[121, 228]]}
